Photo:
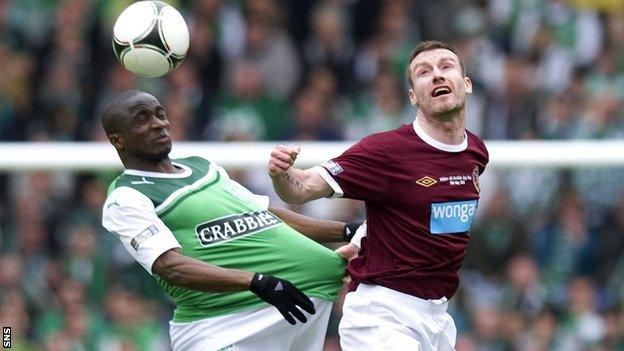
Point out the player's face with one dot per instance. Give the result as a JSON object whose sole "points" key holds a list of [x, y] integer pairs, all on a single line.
{"points": [[439, 85], [147, 134]]}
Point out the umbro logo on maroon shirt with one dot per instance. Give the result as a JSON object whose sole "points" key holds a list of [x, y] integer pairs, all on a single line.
{"points": [[426, 181]]}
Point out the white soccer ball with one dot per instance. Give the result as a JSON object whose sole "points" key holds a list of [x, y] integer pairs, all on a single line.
{"points": [[150, 38]]}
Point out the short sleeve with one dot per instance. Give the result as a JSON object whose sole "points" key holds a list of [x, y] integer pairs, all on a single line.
{"points": [[359, 173], [131, 216]]}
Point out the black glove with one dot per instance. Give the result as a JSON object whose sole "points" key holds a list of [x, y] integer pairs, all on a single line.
{"points": [[349, 230], [283, 295]]}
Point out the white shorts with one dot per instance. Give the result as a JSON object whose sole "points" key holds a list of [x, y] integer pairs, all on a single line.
{"points": [[378, 318], [261, 328]]}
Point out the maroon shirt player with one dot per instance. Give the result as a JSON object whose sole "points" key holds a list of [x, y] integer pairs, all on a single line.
{"points": [[420, 186]]}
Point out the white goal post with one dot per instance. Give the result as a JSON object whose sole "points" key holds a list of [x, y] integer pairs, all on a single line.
{"points": [[94, 156]]}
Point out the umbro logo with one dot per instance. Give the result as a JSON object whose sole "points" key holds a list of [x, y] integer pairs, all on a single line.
{"points": [[426, 181]]}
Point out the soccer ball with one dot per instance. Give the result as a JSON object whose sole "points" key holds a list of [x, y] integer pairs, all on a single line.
{"points": [[150, 38]]}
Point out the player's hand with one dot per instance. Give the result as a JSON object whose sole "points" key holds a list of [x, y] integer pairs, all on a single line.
{"points": [[282, 158], [348, 251], [352, 232], [283, 295]]}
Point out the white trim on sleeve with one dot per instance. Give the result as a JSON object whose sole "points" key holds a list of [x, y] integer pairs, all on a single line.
{"points": [[131, 216], [330, 181]]}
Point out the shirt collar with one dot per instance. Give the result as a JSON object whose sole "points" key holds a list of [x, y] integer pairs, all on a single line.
{"points": [[438, 145], [185, 173]]}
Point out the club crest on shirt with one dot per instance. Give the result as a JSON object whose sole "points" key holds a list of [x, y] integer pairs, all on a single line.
{"points": [[475, 178], [426, 181], [333, 167]]}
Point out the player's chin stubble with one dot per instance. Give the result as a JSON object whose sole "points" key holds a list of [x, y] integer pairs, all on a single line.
{"points": [[157, 155], [448, 108]]}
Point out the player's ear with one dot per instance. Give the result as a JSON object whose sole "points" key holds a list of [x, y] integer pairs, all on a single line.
{"points": [[468, 85], [412, 97], [117, 140]]}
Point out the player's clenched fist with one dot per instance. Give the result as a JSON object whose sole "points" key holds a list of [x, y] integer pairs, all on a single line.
{"points": [[282, 158]]}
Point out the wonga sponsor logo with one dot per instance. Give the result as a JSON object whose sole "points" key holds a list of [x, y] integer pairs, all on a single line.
{"points": [[452, 217]]}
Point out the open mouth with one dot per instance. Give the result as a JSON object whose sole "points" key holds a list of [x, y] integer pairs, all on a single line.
{"points": [[440, 91]]}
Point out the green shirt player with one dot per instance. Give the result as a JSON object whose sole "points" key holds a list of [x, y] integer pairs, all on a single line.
{"points": [[214, 246]]}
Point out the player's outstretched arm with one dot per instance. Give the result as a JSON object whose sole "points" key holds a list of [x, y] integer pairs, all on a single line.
{"points": [[319, 230], [295, 185], [181, 270]]}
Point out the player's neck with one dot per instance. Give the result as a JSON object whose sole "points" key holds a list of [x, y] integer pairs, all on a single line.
{"points": [[450, 131], [162, 166]]}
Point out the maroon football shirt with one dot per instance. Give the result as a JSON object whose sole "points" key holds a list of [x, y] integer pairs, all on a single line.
{"points": [[421, 197]]}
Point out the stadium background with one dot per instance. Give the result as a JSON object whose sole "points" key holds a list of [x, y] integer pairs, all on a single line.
{"points": [[545, 268]]}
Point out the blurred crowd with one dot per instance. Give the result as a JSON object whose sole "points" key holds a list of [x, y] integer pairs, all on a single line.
{"points": [[545, 268]]}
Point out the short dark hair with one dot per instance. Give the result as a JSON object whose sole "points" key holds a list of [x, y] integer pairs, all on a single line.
{"points": [[429, 45], [113, 116]]}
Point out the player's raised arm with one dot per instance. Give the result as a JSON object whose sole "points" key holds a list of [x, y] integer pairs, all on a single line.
{"points": [[295, 185]]}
